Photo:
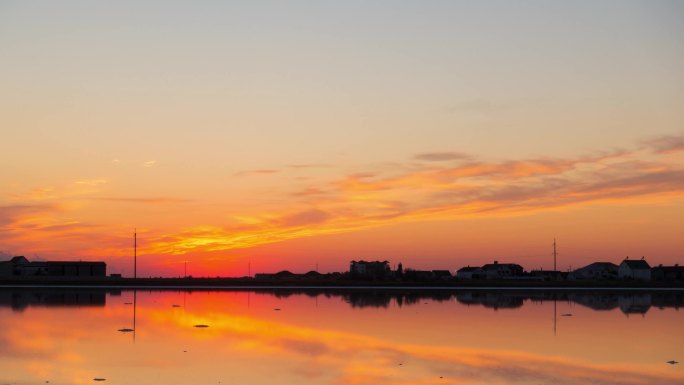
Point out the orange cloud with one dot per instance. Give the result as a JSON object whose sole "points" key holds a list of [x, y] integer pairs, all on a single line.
{"points": [[439, 191], [392, 193]]}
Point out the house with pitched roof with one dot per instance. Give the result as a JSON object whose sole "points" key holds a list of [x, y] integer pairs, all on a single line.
{"points": [[498, 270], [596, 271], [636, 269]]}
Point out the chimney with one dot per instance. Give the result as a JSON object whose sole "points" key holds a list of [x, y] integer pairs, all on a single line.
{"points": [[496, 262]]}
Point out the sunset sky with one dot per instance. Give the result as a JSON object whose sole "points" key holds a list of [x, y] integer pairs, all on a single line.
{"points": [[285, 135]]}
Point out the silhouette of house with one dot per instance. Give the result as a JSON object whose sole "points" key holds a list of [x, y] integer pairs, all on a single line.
{"points": [[498, 270], [20, 266], [596, 271], [470, 273], [418, 275], [667, 273], [441, 275], [548, 275], [374, 269], [636, 269]]}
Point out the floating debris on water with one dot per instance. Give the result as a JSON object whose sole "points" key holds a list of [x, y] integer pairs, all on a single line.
{"points": [[128, 303], [99, 379], [201, 326], [672, 362], [277, 309], [566, 315], [125, 330], [174, 305]]}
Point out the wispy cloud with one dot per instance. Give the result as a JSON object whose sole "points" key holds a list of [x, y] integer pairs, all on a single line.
{"points": [[91, 182], [441, 190], [148, 200], [666, 144], [150, 163], [442, 156], [256, 172]]}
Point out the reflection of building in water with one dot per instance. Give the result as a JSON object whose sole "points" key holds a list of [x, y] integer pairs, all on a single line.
{"points": [[594, 301], [635, 303], [383, 298], [368, 299], [668, 299], [21, 267], [494, 300], [20, 299]]}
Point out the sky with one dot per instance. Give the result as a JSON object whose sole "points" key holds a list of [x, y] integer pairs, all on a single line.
{"points": [[258, 136]]}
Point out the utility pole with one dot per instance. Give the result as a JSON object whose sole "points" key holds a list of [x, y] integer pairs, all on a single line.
{"points": [[249, 269], [135, 253], [185, 271], [554, 254]]}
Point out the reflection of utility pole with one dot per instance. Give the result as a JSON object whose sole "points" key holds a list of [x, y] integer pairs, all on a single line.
{"points": [[135, 305], [554, 315]]}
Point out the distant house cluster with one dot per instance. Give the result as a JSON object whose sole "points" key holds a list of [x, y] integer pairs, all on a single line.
{"points": [[628, 269], [21, 267]]}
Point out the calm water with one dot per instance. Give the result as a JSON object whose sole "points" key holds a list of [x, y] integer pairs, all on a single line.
{"points": [[340, 337]]}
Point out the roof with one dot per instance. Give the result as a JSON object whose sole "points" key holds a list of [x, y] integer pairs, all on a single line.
{"points": [[468, 269], [445, 272], [74, 263], [599, 266], [670, 269], [637, 264], [19, 259], [495, 266]]}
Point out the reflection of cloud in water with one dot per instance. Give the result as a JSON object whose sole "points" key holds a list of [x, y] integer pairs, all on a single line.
{"points": [[348, 358]]}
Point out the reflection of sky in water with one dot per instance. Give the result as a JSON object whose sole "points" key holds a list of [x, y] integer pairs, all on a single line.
{"points": [[340, 338]]}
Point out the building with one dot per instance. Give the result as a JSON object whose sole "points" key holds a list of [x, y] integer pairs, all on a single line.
{"points": [[21, 267], [498, 270], [76, 269], [668, 273], [548, 275], [636, 269], [470, 273], [374, 269], [596, 271], [441, 275]]}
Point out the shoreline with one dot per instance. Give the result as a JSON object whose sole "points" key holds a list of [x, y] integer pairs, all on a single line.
{"points": [[252, 284]]}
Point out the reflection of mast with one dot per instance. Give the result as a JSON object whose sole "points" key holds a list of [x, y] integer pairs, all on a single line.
{"points": [[554, 315], [135, 304]]}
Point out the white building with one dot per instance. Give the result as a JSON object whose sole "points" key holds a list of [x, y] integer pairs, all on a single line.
{"points": [[636, 269]]}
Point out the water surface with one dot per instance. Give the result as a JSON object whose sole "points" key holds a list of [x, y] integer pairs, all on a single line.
{"points": [[340, 337]]}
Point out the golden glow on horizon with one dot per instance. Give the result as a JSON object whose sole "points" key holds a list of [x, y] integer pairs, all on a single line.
{"points": [[410, 193]]}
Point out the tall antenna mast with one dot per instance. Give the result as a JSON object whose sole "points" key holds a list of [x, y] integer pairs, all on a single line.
{"points": [[135, 253], [554, 254]]}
